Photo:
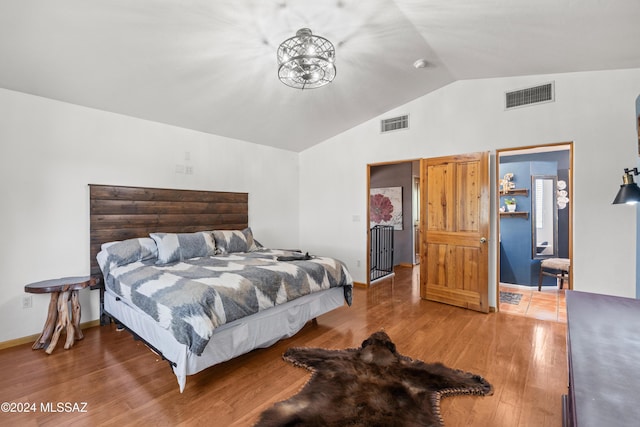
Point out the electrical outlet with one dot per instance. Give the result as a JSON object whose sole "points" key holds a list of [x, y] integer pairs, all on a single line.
{"points": [[27, 301]]}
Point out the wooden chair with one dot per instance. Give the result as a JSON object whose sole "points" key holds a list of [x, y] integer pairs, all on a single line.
{"points": [[554, 267]]}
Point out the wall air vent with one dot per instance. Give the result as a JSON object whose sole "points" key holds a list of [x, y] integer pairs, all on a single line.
{"points": [[394, 123], [529, 96]]}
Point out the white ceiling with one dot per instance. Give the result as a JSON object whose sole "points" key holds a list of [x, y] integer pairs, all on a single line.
{"points": [[211, 65]]}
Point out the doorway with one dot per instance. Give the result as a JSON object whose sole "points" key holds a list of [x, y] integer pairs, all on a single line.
{"points": [[396, 186], [536, 183]]}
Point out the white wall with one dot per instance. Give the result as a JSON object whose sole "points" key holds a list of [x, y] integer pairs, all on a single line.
{"points": [[596, 110], [50, 151]]}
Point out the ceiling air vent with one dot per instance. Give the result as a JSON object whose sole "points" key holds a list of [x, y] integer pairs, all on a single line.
{"points": [[529, 96], [394, 123]]}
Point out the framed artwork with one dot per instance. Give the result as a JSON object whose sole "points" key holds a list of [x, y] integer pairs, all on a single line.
{"points": [[385, 207]]}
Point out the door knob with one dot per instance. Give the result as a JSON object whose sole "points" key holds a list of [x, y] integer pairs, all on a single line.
{"points": [[483, 240]]}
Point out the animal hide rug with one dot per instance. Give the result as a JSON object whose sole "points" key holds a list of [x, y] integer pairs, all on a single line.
{"points": [[370, 386]]}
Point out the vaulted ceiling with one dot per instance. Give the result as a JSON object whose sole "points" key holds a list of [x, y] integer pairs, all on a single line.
{"points": [[211, 65]]}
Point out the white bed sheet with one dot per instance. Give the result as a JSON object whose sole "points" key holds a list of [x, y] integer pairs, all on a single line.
{"points": [[230, 340]]}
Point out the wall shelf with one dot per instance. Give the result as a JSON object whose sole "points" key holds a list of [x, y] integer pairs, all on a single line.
{"points": [[516, 192], [524, 215]]}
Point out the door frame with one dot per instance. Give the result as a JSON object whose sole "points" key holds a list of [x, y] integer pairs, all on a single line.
{"points": [[531, 149], [367, 222]]}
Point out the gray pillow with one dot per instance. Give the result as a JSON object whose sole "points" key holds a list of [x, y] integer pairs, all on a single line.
{"points": [[173, 247], [116, 254], [127, 251], [230, 241]]}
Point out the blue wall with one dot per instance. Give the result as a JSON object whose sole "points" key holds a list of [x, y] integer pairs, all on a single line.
{"points": [[517, 265], [515, 232]]}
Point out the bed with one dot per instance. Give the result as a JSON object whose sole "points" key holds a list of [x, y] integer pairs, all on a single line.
{"points": [[181, 270]]}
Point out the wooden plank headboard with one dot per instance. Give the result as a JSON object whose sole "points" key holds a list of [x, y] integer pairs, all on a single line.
{"points": [[119, 213]]}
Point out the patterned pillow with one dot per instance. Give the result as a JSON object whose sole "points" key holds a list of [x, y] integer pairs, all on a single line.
{"points": [[230, 241], [116, 254], [127, 251], [174, 247]]}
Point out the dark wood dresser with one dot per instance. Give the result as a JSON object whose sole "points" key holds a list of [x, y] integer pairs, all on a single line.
{"points": [[603, 347]]}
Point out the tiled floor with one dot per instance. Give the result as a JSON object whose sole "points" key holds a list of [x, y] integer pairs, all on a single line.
{"points": [[547, 304]]}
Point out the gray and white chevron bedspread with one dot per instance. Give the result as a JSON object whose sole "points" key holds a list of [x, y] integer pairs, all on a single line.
{"points": [[193, 297]]}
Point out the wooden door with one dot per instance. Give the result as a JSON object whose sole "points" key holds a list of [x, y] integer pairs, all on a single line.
{"points": [[454, 264]]}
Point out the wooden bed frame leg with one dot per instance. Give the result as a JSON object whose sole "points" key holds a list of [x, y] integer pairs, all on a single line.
{"points": [[49, 324], [314, 321], [105, 319]]}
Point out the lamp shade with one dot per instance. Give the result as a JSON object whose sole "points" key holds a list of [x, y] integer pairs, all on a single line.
{"points": [[628, 193]]}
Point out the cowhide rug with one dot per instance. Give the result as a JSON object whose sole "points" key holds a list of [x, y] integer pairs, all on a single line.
{"points": [[369, 386]]}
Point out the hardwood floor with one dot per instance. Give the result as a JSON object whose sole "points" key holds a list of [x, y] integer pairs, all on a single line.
{"points": [[123, 383]]}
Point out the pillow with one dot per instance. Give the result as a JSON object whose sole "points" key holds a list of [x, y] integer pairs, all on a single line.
{"points": [[174, 247], [230, 241], [116, 254], [128, 251]]}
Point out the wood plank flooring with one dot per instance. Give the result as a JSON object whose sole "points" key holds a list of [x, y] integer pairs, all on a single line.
{"points": [[123, 383]]}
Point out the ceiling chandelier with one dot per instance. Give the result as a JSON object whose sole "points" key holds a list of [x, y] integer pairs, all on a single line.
{"points": [[306, 61]]}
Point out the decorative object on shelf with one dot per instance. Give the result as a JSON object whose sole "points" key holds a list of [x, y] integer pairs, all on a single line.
{"points": [[562, 194], [510, 202], [306, 61], [506, 183], [629, 192]]}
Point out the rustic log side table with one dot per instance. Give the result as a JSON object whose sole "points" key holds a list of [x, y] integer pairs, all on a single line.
{"points": [[62, 292]]}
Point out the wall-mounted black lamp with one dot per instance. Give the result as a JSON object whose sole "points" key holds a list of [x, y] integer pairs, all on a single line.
{"points": [[629, 191]]}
